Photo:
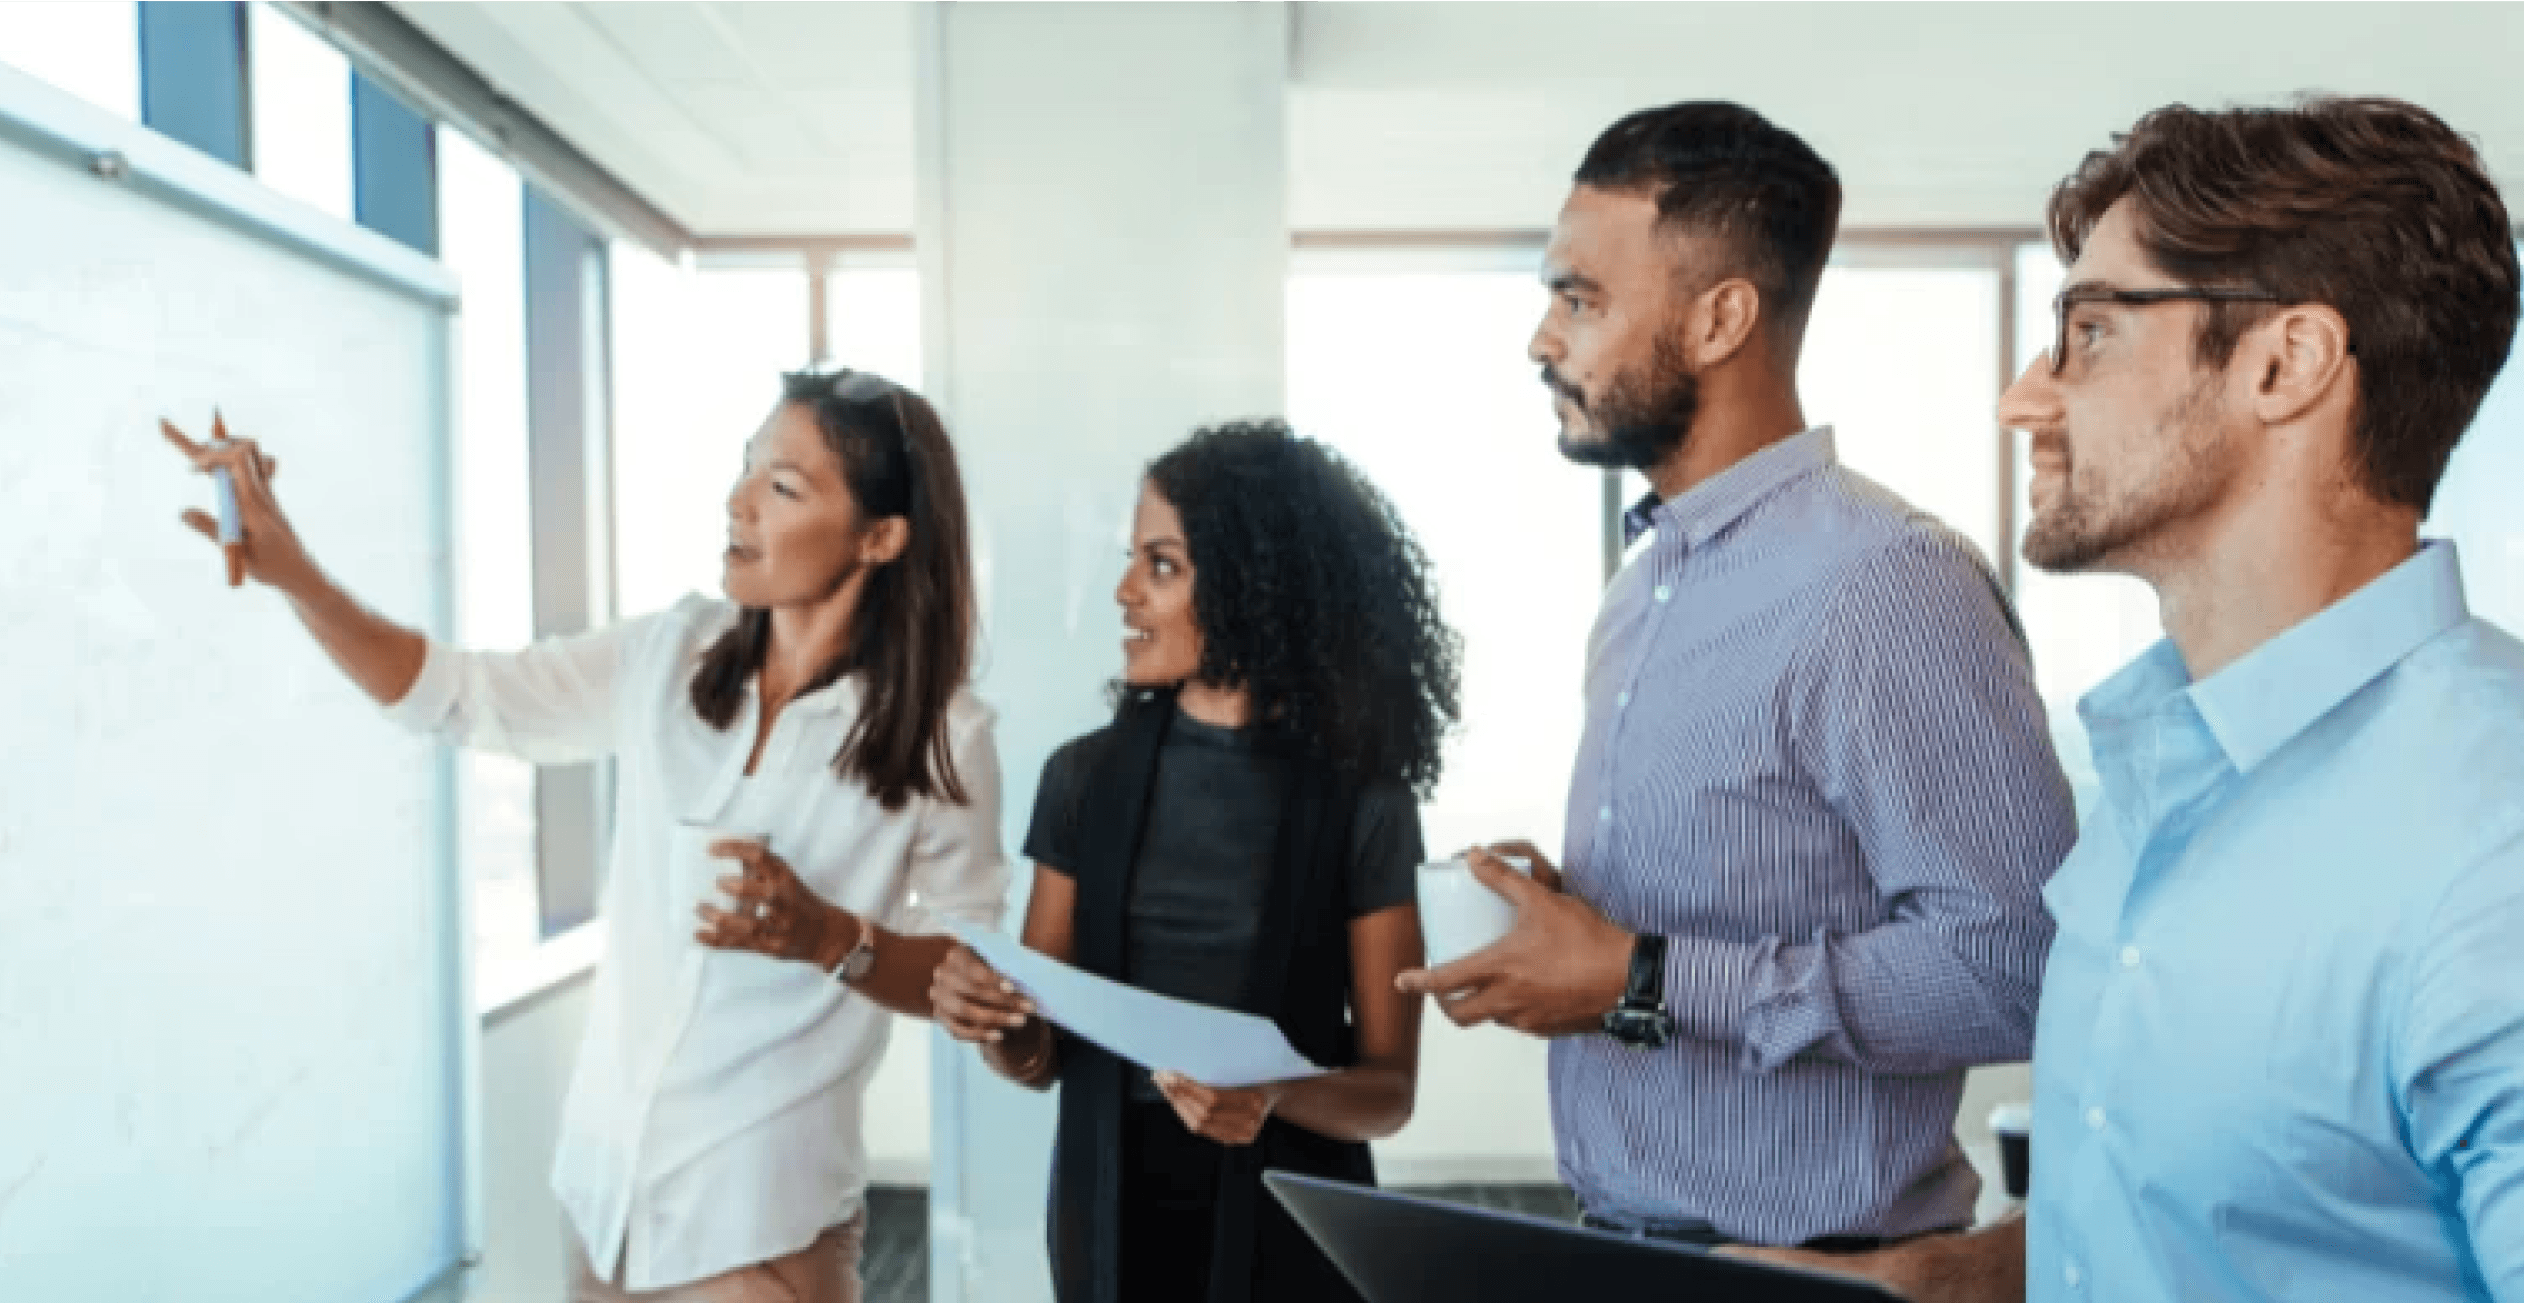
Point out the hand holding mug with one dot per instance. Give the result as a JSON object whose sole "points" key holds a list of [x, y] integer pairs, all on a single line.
{"points": [[775, 914]]}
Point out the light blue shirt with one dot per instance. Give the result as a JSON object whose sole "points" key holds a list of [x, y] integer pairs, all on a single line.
{"points": [[2281, 1046]]}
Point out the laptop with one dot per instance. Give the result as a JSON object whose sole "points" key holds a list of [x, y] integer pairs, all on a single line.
{"points": [[1400, 1248]]}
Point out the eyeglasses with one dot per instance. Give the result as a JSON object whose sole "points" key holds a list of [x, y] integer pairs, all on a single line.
{"points": [[864, 387], [2070, 298]]}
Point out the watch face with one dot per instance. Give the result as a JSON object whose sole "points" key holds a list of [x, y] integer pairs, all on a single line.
{"points": [[1646, 1029]]}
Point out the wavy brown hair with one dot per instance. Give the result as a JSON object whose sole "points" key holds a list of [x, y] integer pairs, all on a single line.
{"points": [[2373, 207], [911, 640]]}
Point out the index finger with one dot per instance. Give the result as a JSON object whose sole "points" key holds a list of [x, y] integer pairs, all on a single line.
{"points": [[1495, 874], [1480, 968], [1545, 872], [190, 449], [737, 848]]}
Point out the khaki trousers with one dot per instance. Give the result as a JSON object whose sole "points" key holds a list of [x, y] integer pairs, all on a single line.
{"points": [[826, 1271]]}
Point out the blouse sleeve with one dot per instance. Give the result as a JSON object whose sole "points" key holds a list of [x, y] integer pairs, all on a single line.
{"points": [[958, 871], [551, 702]]}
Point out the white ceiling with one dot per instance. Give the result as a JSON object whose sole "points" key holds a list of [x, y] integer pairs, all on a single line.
{"points": [[756, 118], [732, 118]]}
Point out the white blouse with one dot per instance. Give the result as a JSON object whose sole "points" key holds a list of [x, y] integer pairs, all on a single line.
{"points": [[713, 1120]]}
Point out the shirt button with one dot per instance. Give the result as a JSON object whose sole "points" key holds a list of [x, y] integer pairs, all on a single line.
{"points": [[1622, 700], [2129, 956], [1604, 815], [2094, 1119], [1663, 592], [2072, 1275]]}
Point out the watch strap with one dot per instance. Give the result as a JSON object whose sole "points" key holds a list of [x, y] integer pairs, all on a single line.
{"points": [[1646, 988], [856, 961]]}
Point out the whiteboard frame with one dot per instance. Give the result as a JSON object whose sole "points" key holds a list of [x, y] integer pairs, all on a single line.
{"points": [[49, 122]]}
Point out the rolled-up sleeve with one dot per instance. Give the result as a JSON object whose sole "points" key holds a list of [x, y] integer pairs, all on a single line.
{"points": [[1919, 723], [958, 871], [2460, 1063], [551, 702]]}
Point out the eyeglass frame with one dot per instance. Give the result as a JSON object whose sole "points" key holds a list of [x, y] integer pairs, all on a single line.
{"points": [[2075, 294]]}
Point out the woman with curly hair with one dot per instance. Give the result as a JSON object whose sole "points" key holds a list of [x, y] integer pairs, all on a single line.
{"points": [[1243, 834]]}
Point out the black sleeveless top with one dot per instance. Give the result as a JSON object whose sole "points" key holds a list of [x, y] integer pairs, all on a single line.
{"points": [[1295, 966]]}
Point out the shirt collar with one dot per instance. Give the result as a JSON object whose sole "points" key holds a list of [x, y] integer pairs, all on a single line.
{"points": [[2279, 689], [1705, 508]]}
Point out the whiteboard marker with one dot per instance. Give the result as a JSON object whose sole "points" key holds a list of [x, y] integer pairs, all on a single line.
{"points": [[231, 522]]}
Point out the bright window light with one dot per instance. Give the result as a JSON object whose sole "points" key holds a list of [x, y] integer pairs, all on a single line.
{"points": [[1903, 363], [1416, 373], [302, 112], [872, 316], [90, 48], [481, 224], [697, 357]]}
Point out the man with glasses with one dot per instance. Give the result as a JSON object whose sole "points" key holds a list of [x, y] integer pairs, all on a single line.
{"points": [[2281, 1052], [1815, 799]]}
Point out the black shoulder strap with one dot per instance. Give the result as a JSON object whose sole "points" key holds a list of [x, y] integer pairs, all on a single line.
{"points": [[1300, 978], [1112, 817]]}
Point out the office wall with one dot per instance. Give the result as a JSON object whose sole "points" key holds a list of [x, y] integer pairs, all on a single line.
{"points": [[527, 1052], [1103, 265], [1466, 116]]}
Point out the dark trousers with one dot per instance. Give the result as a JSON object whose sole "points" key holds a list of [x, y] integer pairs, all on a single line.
{"points": [[1169, 1212]]}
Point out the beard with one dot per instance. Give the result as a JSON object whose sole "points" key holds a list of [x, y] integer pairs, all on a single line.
{"points": [[1640, 418], [2088, 527]]}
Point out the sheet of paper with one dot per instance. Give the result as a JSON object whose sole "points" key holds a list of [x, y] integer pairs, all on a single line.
{"points": [[1216, 1047]]}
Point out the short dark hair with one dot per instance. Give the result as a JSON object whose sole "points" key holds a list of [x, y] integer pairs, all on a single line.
{"points": [[2373, 207], [1311, 594], [1721, 170]]}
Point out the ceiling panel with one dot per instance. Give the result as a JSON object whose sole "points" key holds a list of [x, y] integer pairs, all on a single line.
{"points": [[735, 119]]}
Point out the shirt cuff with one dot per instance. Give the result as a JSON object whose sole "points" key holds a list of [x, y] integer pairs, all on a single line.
{"points": [[1708, 987], [425, 704]]}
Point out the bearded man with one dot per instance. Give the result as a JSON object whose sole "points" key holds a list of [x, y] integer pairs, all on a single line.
{"points": [[1816, 800]]}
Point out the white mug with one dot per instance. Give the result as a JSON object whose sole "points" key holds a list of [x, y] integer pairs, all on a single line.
{"points": [[1458, 914]]}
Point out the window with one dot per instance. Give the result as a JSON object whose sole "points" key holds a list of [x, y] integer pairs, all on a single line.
{"points": [[1411, 366], [481, 230], [90, 48], [698, 353], [1410, 363], [872, 315], [1901, 358], [300, 88]]}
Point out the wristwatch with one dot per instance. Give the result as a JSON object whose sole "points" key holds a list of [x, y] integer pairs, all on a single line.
{"points": [[860, 959], [1640, 1020]]}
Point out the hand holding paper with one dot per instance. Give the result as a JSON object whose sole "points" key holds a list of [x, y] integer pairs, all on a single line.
{"points": [[1215, 1047]]}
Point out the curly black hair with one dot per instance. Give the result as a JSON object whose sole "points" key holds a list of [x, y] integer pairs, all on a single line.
{"points": [[1311, 595]]}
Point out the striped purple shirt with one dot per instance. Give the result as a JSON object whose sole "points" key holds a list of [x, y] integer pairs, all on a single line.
{"points": [[1814, 758]]}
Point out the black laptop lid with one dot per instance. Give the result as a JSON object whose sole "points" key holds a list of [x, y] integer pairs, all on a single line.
{"points": [[1399, 1248]]}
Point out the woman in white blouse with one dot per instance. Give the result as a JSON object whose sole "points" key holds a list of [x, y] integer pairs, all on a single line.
{"points": [[801, 775]]}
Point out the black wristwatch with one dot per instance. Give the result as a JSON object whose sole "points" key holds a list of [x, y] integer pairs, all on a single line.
{"points": [[1640, 1020]]}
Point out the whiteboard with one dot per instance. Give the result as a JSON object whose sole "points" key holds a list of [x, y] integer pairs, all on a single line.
{"points": [[235, 1034]]}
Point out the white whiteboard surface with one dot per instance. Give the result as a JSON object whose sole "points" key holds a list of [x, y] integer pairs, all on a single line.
{"points": [[235, 1040]]}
